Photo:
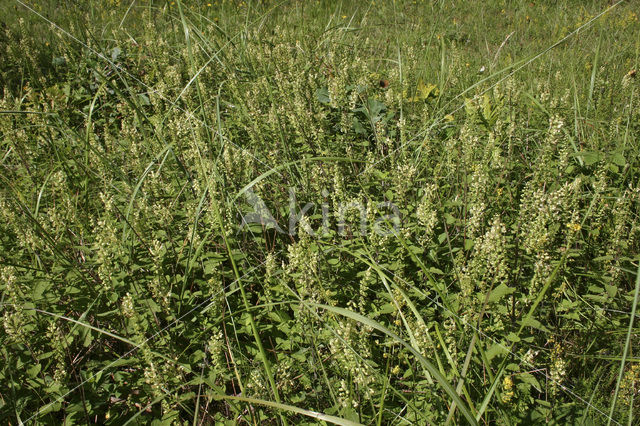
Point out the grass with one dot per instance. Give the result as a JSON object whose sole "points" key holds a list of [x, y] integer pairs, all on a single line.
{"points": [[348, 212]]}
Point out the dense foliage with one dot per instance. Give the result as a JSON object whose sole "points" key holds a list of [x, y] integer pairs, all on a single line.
{"points": [[468, 253]]}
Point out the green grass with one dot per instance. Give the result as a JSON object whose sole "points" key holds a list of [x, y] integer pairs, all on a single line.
{"points": [[162, 163]]}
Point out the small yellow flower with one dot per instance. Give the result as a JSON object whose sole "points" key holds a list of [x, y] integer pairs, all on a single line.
{"points": [[507, 382], [507, 387], [575, 227]]}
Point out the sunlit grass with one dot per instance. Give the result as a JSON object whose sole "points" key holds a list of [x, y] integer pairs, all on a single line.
{"points": [[348, 212]]}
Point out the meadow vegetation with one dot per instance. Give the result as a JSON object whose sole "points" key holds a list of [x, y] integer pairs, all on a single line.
{"points": [[491, 147]]}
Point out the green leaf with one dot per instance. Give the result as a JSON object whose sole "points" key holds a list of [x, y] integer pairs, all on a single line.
{"points": [[590, 157], [499, 292], [531, 380], [449, 218], [322, 94], [143, 99], [618, 158], [40, 287], [513, 337], [534, 323], [496, 350], [34, 370]]}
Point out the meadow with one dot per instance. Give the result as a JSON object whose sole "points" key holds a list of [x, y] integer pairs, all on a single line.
{"points": [[319, 212]]}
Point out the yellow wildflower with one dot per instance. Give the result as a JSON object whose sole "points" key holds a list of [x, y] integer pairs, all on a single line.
{"points": [[507, 389], [575, 227]]}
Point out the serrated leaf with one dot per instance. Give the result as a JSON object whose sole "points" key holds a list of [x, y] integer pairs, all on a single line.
{"points": [[322, 94], [499, 292], [495, 350], [530, 379]]}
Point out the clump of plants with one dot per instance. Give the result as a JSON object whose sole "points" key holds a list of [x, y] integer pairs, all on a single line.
{"points": [[279, 213]]}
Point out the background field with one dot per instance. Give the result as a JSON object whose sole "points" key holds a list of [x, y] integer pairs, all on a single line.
{"points": [[135, 136]]}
